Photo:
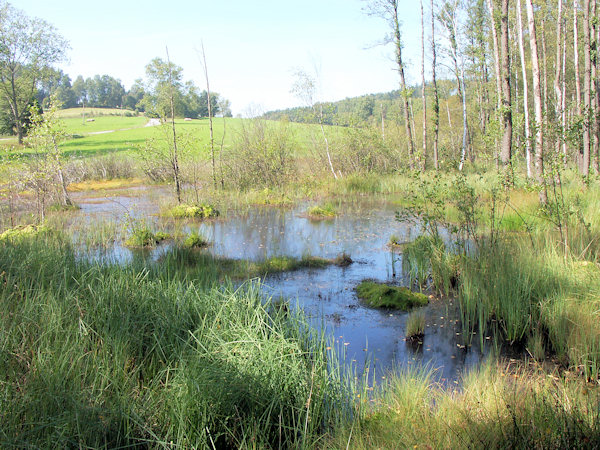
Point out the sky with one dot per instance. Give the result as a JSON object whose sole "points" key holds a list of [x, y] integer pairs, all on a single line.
{"points": [[253, 48]]}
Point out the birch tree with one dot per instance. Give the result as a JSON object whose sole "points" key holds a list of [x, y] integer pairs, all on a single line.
{"points": [[388, 10], [537, 101]]}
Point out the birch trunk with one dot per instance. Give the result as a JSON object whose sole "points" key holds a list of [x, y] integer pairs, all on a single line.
{"points": [[525, 90], [537, 101]]}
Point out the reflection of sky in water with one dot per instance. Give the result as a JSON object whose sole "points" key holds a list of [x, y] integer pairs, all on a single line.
{"points": [[326, 295]]}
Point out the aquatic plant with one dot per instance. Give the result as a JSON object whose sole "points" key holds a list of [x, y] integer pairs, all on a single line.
{"points": [[201, 211], [144, 237], [379, 295], [415, 325], [496, 407], [417, 258], [324, 211], [342, 260], [21, 232], [394, 240], [195, 240]]}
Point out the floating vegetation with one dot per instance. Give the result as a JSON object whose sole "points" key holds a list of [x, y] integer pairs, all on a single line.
{"points": [[143, 237], [200, 211], [195, 240], [379, 295], [326, 211], [394, 241]]}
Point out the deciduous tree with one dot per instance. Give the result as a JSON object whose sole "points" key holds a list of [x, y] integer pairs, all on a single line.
{"points": [[28, 46]]}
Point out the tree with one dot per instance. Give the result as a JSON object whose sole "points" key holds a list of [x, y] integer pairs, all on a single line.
{"points": [[46, 132], [436, 98], [305, 88], [388, 10], [506, 150], [537, 101], [164, 95], [28, 46]]}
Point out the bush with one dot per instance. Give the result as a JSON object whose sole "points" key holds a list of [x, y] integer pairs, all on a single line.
{"points": [[262, 156]]}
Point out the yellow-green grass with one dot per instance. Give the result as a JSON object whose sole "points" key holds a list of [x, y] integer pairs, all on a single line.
{"points": [[496, 407], [70, 113]]}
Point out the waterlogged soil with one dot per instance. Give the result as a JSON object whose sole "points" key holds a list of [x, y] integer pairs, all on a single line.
{"points": [[364, 337]]}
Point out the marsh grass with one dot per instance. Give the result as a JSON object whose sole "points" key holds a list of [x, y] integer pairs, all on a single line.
{"points": [[152, 355], [324, 211], [200, 211], [496, 407], [415, 325]]}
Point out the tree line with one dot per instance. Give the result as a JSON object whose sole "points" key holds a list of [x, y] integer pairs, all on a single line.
{"points": [[520, 78]]}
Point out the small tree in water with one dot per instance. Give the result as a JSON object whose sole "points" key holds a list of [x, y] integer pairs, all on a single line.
{"points": [[44, 136]]}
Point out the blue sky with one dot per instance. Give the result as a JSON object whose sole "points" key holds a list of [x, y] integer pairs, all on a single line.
{"points": [[252, 47]]}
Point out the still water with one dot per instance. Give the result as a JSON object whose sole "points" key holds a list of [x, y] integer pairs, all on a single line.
{"points": [[362, 229]]}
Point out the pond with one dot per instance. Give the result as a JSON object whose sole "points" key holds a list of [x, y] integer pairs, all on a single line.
{"points": [[364, 336]]}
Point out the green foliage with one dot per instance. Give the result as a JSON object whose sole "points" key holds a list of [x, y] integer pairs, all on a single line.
{"points": [[195, 240], [23, 232], [496, 407], [141, 236], [378, 295], [418, 256], [201, 211], [262, 156]]}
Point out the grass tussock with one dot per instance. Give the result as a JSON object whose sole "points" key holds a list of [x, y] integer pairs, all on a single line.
{"points": [[325, 211], [144, 237], [378, 295], [415, 325]]}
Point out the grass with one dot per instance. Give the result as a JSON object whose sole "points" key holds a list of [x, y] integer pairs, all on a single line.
{"points": [[379, 295], [145, 355], [195, 240], [497, 407], [415, 325], [144, 237], [200, 211], [325, 211]]}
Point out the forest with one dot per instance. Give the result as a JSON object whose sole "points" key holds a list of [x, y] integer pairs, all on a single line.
{"points": [[414, 268]]}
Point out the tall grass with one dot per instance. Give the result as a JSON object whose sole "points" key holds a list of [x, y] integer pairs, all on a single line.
{"points": [[495, 408], [151, 355]]}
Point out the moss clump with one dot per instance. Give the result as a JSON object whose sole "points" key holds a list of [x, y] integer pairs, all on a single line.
{"points": [[195, 240], [144, 238], [21, 232], [201, 211], [322, 211], [378, 295]]}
